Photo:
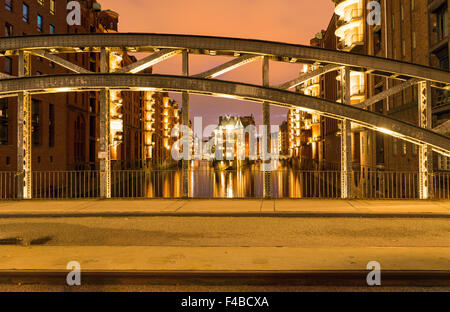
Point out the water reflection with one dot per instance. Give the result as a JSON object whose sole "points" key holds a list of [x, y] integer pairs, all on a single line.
{"points": [[208, 182]]}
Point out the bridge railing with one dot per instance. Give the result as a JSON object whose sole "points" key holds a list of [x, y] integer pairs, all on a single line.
{"points": [[211, 183], [8, 185], [385, 185]]}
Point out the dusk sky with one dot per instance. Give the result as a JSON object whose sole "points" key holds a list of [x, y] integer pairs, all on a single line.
{"points": [[292, 21]]}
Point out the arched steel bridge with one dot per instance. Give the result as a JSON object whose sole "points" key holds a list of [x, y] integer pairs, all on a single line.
{"points": [[244, 51]]}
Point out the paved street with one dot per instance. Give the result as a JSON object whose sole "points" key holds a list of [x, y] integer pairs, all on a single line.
{"points": [[224, 244], [210, 243], [229, 231]]}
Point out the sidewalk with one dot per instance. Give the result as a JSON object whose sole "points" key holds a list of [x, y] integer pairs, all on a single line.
{"points": [[213, 207], [222, 259]]}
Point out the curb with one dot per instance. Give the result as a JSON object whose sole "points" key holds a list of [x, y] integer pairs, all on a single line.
{"points": [[225, 214]]}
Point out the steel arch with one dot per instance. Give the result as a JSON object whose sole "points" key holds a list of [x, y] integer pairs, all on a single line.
{"points": [[141, 42], [147, 82]]}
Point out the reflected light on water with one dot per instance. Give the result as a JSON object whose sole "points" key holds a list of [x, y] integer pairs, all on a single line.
{"points": [[209, 182]]}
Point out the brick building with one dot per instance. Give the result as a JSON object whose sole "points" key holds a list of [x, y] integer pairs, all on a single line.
{"points": [[162, 114], [66, 125]]}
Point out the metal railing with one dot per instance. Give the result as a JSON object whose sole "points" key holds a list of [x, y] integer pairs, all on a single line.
{"points": [[385, 185], [349, 41], [211, 183], [65, 184], [8, 185], [441, 185]]}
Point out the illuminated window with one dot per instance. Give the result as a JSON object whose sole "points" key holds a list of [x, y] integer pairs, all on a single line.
{"points": [[52, 7], [52, 29], [404, 148], [402, 11], [41, 2]]}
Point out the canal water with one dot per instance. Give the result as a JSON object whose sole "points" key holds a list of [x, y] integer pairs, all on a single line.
{"points": [[209, 182]]}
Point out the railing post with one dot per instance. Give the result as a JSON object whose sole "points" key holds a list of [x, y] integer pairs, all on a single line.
{"points": [[185, 123], [346, 142], [266, 123], [105, 144], [425, 151], [24, 145], [346, 160]]}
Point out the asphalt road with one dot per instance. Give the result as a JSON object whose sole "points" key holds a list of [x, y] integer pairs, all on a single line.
{"points": [[221, 231], [218, 232]]}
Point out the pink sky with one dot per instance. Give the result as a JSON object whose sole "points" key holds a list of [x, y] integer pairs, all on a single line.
{"points": [[292, 21]]}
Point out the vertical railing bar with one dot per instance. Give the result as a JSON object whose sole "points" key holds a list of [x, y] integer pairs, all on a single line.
{"points": [[448, 189], [123, 184]]}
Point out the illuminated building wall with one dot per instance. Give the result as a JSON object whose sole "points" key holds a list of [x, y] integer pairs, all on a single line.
{"points": [[350, 28], [161, 116], [230, 138], [116, 109], [284, 139], [149, 123], [405, 35], [67, 124], [294, 131]]}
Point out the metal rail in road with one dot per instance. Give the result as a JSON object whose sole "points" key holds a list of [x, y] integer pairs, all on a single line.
{"points": [[225, 278]]}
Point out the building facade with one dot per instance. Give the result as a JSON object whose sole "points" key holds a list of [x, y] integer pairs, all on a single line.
{"points": [[162, 115], [235, 139], [410, 31], [66, 125]]}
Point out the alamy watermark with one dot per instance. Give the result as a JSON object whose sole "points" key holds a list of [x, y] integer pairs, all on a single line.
{"points": [[229, 142], [374, 276], [74, 276], [374, 16], [74, 15]]}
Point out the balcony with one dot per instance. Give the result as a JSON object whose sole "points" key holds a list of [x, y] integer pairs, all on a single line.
{"points": [[348, 43], [352, 15], [350, 27]]}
